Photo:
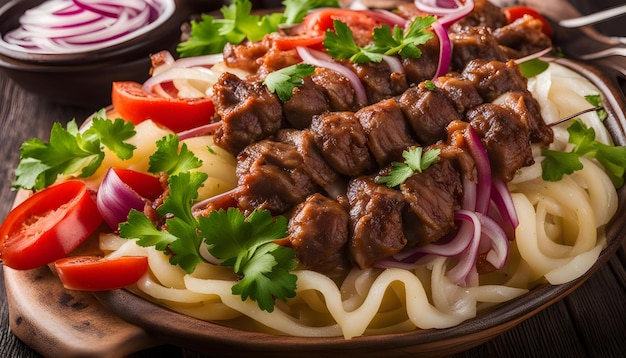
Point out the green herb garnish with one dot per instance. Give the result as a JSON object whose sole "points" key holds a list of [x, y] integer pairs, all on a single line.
{"points": [[283, 81], [415, 160]]}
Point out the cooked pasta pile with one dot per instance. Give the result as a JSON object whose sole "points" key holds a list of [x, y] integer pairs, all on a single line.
{"points": [[560, 236]]}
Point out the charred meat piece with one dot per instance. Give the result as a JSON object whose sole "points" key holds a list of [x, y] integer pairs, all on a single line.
{"points": [[271, 176], [523, 37], [494, 78], [425, 67], [312, 161], [338, 90], [388, 133], [248, 111], [246, 55], [379, 82], [484, 14], [527, 108], [431, 198], [306, 100], [342, 142], [460, 91], [505, 138], [472, 43], [376, 217], [428, 111], [318, 232]]}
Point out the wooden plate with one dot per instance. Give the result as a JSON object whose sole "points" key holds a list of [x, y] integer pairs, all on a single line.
{"points": [[58, 322]]}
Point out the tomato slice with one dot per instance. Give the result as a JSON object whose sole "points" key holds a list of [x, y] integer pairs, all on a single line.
{"points": [[48, 225], [515, 12], [93, 273], [146, 185], [178, 114]]}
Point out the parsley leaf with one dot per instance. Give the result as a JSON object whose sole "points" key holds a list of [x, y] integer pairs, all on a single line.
{"points": [[70, 151], [532, 68], [248, 245], [415, 160], [613, 158], [341, 45], [205, 38], [295, 10], [283, 81], [596, 101], [168, 159]]}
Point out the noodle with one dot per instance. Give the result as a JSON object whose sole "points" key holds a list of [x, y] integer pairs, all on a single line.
{"points": [[560, 236]]}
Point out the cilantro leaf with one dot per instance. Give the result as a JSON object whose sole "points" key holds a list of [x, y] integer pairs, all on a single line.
{"points": [[248, 245], [532, 68], [341, 45], [140, 227], [295, 10], [70, 151], [283, 81], [415, 160], [183, 191], [612, 158], [170, 160], [596, 101], [205, 38]]}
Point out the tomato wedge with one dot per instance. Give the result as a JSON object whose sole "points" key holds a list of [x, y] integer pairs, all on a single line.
{"points": [[146, 185], [515, 12], [48, 225], [93, 273], [178, 114]]}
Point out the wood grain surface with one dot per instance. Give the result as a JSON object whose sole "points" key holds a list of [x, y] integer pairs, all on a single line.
{"points": [[591, 322]]}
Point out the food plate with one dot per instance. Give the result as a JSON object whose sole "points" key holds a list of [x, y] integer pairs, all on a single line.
{"points": [[53, 320]]}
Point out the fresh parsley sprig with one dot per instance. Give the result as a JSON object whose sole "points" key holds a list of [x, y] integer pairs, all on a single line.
{"points": [[210, 34], [171, 159], [415, 160], [613, 158], [70, 151], [386, 41], [283, 81]]}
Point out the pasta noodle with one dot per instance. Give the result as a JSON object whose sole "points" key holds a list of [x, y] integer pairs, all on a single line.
{"points": [[560, 236]]}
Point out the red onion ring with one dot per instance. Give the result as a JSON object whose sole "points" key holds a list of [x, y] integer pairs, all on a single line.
{"points": [[448, 13], [445, 49], [483, 168], [115, 199]]}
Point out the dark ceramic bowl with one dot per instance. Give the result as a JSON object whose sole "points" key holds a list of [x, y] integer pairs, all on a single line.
{"points": [[84, 78]]}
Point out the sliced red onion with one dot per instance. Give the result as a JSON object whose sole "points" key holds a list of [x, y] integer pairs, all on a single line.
{"points": [[115, 199], [445, 49], [394, 63], [223, 200], [483, 168], [501, 197], [449, 11], [74, 26], [192, 73], [467, 261], [534, 55], [388, 17], [498, 241], [198, 131], [321, 59]]}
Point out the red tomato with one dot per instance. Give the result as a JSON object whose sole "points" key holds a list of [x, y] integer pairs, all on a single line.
{"points": [[48, 225], [92, 273], [285, 43], [146, 185], [317, 22], [515, 12], [178, 114]]}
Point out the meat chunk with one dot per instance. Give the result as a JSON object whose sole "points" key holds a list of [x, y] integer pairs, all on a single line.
{"points": [[527, 108], [271, 176], [494, 78], [306, 100], [505, 138], [523, 37], [460, 91], [342, 142], [318, 232], [388, 133], [338, 90], [248, 111], [246, 55], [431, 198], [379, 82], [376, 217], [474, 43], [424, 67], [312, 161], [484, 14], [428, 111]]}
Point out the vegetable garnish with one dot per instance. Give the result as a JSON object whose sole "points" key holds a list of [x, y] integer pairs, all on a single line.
{"points": [[532, 68], [283, 81], [248, 245], [341, 45], [415, 160], [210, 35], [171, 159], [70, 151], [596, 101], [613, 158]]}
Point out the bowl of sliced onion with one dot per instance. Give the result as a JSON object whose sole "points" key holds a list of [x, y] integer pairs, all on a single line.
{"points": [[72, 50]]}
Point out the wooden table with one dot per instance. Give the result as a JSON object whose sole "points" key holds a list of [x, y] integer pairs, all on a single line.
{"points": [[591, 322]]}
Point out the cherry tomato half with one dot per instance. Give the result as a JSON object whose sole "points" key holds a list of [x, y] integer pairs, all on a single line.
{"points": [[515, 12], [92, 273], [178, 114], [48, 225]]}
